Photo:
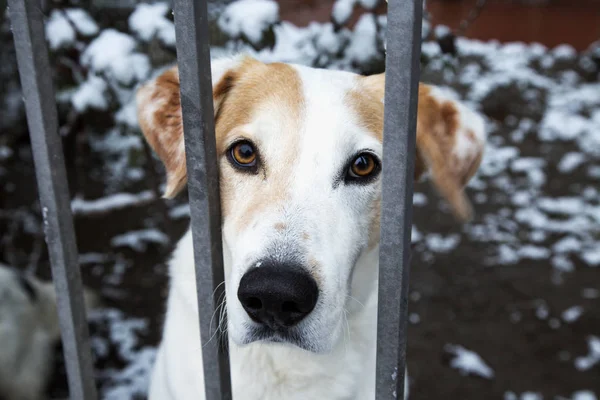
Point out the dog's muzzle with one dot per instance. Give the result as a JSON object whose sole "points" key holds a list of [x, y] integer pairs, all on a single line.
{"points": [[277, 295]]}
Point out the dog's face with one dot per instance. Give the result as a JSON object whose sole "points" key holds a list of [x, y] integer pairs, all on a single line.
{"points": [[300, 153]]}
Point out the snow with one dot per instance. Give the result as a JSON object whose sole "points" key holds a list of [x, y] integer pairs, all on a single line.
{"points": [[5, 153], [590, 293], [148, 21], [91, 94], [133, 379], [561, 205], [63, 26], [415, 235], [419, 199], [138, 240], [566, 245], [414, 318], [469, 362], [110, 203], [542, 312], [342, 11], [182, 211], [249, 19], [112, 53], [584, 395], [572, 314], [83, 22], [127, 115], [566, 118], [441, 30], [363, 45], [59, 31], [369, 4], [562, 263], [440, 244], [329, 41], [534, 252], [591, 257], [584, 363], [564, 51], [570, 162], [93, 258], [531, 396]]}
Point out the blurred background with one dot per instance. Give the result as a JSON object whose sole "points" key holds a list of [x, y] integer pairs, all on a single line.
{"points": [[505, 307]]}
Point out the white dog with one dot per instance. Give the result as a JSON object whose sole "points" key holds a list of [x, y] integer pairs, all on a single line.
{"points": [[300, 173]]}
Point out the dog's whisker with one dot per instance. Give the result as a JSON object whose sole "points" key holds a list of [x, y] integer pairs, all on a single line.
{"points": [[222, 316], [346, 331], [219, 309], [356, 300], [219, 301]]}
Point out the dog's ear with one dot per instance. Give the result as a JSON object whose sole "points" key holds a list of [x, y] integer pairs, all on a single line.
{"points": [[450, 142], [160, 118]]}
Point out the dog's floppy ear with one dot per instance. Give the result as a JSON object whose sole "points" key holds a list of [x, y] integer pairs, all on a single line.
{"points": [[160, 118], [450, 142]]}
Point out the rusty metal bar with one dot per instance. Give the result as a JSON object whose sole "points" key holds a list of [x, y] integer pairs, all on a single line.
{"points": [[404, 22], [27, 22], [193, 58]]}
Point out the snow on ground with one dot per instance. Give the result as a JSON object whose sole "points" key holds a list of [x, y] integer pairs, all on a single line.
{"points": [[139, 240], [110, 203], [588, 361], [149, 21], [584, 395], [132, 380], [90, 94], [572, 314], [342, 11], [63, 26], [249, 19], [469, 362], [112, 53]]}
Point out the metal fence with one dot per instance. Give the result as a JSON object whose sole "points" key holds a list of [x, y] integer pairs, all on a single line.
{"points": [[401, 89]]}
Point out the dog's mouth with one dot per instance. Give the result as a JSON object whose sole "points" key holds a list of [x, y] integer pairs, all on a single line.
{"points": [[289, 336]]}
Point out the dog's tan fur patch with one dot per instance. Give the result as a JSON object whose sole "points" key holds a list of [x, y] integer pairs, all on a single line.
{"points": [[437, 127], [239, 94], [274, 89]]}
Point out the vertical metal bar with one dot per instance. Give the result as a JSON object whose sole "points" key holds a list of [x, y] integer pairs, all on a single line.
{"points": [[401, 95], [193, 56], [36, 81]]}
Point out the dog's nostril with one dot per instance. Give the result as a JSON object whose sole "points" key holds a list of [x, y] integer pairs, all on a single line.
{"points": [[253, 303]]}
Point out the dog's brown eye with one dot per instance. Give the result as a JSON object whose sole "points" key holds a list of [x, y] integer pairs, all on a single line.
{"points": [[363, 166], [243, 154]]}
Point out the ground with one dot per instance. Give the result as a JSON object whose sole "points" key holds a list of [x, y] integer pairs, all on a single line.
{"points": [[504, 307]]}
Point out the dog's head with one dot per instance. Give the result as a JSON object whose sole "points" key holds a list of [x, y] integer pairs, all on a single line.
{"points": [[300, 154]]}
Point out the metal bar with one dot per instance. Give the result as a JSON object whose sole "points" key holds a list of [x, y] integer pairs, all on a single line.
{"points": [[36, 80], [401, 95], [193, 56]]}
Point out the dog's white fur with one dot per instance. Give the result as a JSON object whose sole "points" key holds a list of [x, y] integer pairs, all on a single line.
{"points": [[333, 229]]}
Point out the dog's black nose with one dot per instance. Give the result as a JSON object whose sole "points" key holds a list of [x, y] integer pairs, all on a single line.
{"points": [[278, 296]]}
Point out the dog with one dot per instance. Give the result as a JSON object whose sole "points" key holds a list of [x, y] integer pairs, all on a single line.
{"points": [[300, 158], [29, 331]]}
